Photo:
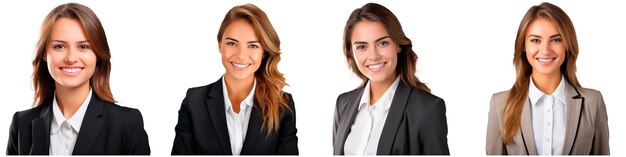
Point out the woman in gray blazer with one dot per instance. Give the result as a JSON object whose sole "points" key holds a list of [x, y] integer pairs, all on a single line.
{"points": [[392, 112], [547, 112]]}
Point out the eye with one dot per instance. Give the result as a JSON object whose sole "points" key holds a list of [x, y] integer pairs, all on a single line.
{"points": [[83, 46], [230, 43], [58, 46], [534, 40], [360, 47], [383, 43], [556, 40], [254, 46]]}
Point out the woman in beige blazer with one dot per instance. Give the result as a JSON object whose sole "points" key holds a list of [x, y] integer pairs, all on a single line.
{"points": [[547, 112]]}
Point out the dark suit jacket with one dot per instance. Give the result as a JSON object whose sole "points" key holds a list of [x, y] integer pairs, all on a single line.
{"points": [[107, 128], [416, 123], [201, 127]]}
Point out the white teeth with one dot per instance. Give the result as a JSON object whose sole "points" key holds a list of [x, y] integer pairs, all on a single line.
{"points": [[241, 65], [376, 66], [71, 70], [545, 60]]}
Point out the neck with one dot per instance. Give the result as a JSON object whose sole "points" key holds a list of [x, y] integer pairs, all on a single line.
{"points": [[377, 89], [546, 83], [70, 99], [238, 90]]}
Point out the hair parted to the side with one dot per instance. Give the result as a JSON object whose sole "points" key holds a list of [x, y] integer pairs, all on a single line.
{"points": [[518, 94], [269, 81], [43, 83], [407, 59]]}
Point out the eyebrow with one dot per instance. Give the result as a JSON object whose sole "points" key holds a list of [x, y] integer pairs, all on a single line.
{"points": [[538, 36], [61, 41], [235, 40], [377, 40]]}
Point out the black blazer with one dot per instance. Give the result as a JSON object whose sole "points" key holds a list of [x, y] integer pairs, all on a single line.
{"points": [[107, 128], [201, 127], [416, 123]]}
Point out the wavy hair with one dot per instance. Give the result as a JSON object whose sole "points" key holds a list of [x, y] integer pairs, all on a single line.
{"points": [[270, 82], [518, 94]]}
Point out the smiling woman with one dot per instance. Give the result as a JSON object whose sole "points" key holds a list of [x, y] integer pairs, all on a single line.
{"points": [[74, 110], [544, 111], [392, 112], [247, 110]]}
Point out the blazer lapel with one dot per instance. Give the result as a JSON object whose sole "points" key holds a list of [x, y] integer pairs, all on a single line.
{"points": [[254, 130], [41, 131], [215, 106], [347, 121], [573, 108], [526, 126], [394, 117], [91, 126]]}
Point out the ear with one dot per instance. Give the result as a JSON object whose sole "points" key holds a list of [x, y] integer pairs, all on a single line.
{"points": [[45, 57]]}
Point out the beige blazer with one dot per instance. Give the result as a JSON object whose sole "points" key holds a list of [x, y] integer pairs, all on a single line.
{"points": [[587, 132]]}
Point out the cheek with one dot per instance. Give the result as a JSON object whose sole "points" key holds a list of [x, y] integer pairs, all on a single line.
{"points": [[359, 59]]}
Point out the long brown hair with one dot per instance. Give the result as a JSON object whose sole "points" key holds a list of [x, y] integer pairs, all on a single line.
{"points": [[519, 92], [269, 81], [43, 82], [407, 59]]}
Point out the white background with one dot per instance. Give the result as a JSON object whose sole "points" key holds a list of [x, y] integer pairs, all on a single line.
{"points": [[161, 48]]}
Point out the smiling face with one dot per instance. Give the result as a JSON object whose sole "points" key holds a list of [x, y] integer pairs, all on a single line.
{"points": [[375, 53], [71, 61], [241, 50], [545, 48]]}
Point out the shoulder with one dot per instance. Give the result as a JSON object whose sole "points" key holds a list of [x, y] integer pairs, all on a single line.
{"points": [[29, 114], [425, 101], [344, 98], [201, 91], [499, 98], [121, 113], [591, 97]]}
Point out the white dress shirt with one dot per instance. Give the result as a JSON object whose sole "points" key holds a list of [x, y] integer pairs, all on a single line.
{"points": [[548, 118], [64, 132], [237, 123], [370, 119]]}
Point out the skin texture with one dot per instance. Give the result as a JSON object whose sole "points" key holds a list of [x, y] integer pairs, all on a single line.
{"points": [[71, 63], [372, 46], [242, 55], [544, 42]]}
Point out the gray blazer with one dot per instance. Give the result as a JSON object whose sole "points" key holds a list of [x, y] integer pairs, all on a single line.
{"points": [[587, 132], [416, 123]]}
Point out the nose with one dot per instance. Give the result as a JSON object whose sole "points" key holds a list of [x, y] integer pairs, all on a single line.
{"points": [[374, 54], [544, 48], [71, 56]]}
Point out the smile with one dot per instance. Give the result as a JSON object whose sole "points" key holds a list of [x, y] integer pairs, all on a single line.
{"points": [[545, 60], [376, 67], [71, 69], [241, 65]]}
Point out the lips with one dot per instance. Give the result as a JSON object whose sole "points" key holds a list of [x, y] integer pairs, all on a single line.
{"points": [[545, 60], [71, 70], [376, 67], [240, 65]]}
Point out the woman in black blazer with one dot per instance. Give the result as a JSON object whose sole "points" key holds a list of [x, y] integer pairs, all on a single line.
{"points": [[246, 111], [74, 111], [392, 112]]}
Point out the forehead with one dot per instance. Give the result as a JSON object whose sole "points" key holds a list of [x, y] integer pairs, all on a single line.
{"points": [[543, 27], [240, 30], [66, 29], [368, 31]]}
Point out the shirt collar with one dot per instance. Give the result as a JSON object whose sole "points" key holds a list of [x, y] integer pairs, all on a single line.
{"points": [[248, 101], [535, 94], [387, 97], [75, 121]]}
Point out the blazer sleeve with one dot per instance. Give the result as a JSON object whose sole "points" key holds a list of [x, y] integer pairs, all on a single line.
{"points": [[434, 136], [494, 144], [183, 142], [12, 145], [336, 119], [287, 139], [137, 138], [601, 138]]}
